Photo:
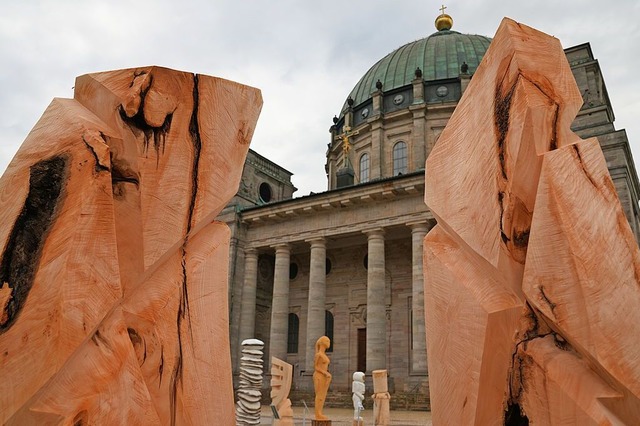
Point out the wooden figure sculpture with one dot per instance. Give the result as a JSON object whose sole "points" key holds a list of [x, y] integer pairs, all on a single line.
{"points": [[114, 272], [321, 378], [281, 376], [358, 389], [381, 398], [532, 275]]}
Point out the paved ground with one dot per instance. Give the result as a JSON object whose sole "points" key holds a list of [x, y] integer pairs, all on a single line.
{"points": [[343, 417]]}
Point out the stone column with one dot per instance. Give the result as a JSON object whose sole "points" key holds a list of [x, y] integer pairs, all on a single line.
{"points": [[376, 312], [418, 336], [248, 303], [280, 304], [317, 291]]}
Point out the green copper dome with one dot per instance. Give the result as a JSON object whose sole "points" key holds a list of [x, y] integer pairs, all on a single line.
{"points": [[439, 56]]}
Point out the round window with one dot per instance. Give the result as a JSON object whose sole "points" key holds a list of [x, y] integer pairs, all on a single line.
{"points": [[293, 271], [327, 266], [265, 192], [442, 91]]}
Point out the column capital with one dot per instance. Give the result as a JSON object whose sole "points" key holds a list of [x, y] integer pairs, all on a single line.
{"points": [[282, 248], [317, 241], [421, 226], [250, 251], [375, 232]]}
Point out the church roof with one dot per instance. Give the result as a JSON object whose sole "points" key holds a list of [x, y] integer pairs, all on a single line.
{"points": [[439, 56]]}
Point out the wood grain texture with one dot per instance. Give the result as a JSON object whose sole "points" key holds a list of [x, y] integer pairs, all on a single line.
{"points": [[532, 275], [114, 273]]}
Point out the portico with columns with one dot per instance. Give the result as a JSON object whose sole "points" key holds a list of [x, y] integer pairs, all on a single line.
{"points": [[356, 259]]}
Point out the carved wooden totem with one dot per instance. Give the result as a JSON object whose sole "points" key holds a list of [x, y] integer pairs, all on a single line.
{"points": [[281, 376], [113, 294], [532, 275]]}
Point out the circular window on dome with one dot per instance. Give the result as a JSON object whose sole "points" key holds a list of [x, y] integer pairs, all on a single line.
{"points": [[442, 91], [398, 99], [265, 192], [365, 113]]}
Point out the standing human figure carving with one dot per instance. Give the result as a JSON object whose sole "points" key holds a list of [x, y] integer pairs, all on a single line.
{"points": [[358, 388], [321, 375]]}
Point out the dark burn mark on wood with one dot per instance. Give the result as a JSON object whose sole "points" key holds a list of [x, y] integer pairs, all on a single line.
{"points": [[136, 73], [561, 343], [122, 174], [183, 308], [521, 239], [98, 339], [546, 300], [578, 156], [98, 167], [501, 111], [138, 123], [504, 237], [81, 419], [514, 417], [22, 253], [553, 143], [139, 344], [161, 366]]}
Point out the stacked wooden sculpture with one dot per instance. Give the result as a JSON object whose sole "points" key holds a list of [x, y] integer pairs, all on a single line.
{"points": [[281, 376], [249, 393], [532, 275], [114, 273]]}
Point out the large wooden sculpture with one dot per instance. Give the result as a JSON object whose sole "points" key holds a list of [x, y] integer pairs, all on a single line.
{"points": [[532, 275], [114, 295]]}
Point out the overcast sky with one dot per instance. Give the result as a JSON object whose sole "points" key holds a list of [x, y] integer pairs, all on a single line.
{"points": [[305, 56]]}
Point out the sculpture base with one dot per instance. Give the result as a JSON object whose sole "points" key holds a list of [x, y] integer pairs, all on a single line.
{"points": [[357, 422], [315, 422]]}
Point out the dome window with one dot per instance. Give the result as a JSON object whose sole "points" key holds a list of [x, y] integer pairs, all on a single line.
{"points": [[265, 192], [442, 91], [399, 158]]}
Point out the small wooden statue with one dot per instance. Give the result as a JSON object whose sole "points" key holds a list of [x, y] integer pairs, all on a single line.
{"points": [[381, 398], [321, 375]]}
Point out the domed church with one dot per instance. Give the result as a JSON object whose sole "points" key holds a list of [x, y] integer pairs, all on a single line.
{"points": [[347, 262]]}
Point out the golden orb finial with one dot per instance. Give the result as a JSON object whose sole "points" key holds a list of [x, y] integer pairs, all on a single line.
{"points": [[444, 21]]}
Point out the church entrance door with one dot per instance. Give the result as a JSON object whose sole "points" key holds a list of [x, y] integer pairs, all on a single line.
{"points": [[362, 349]]}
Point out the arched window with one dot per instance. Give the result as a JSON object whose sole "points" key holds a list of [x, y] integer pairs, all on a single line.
{"points": [[364, 168], [328, 328], [292, 338], [399, 158]]}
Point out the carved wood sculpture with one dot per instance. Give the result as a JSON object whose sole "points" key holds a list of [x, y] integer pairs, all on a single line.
{"points": [[281, 376], [114, 302], [532, 281], [321, 380], [250, 383], [381, 398]]}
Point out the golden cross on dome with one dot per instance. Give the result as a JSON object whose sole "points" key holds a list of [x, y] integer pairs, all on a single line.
{"points": [[442, 9]]}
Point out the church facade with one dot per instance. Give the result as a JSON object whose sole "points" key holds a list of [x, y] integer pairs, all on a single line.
{"points": [[347, 262]]}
